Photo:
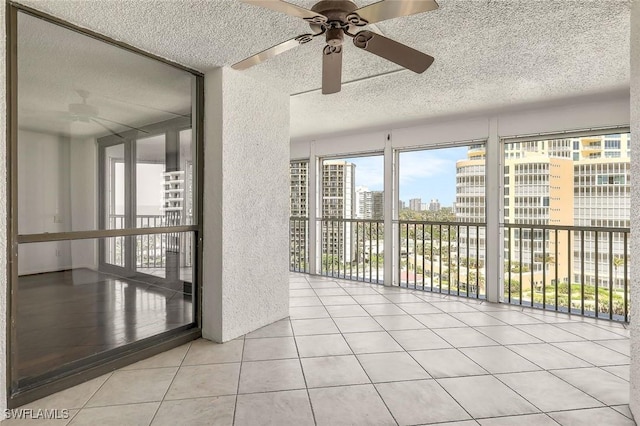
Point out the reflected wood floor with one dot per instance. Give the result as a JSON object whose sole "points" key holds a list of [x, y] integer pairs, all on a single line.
{"points": [[66, 316]]}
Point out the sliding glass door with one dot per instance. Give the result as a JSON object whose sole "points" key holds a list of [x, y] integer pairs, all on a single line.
{"points": [[104, 219]]}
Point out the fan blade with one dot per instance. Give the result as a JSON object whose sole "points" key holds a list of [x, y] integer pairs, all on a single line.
{"points": [[290, 9], [113, 132], [272, 51], [393, 51], [331, 69], [389, 9], [119, 124], [151, 108]]}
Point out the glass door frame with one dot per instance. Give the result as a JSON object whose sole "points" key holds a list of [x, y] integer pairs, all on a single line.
{"points": [[128, 139], [85, 369]]}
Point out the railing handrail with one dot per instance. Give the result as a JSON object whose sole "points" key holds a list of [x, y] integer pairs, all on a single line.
{"points": [[566, 227], [142, 215], [439, 222], [336, 219]]}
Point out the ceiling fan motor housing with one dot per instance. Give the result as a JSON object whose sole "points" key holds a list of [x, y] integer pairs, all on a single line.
{"points": [[336, 12], [83, 111]]}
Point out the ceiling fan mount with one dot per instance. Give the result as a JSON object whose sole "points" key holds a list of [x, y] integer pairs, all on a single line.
{"points": [[82, 111], [336, 18], [340, 20]]}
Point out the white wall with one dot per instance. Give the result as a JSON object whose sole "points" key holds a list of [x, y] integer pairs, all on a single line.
{"points": [[635, 210], [83, 176], [246, 205], [56, 193]]}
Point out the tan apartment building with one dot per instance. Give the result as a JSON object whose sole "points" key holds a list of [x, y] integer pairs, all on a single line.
{"points": [[581, 182]]}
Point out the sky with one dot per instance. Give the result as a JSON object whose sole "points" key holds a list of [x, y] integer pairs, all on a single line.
{"points": [[428, 174]]}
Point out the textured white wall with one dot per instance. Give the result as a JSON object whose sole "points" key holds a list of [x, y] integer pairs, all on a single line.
{"points": [[3, 212], [246, 205], [635, 210]]}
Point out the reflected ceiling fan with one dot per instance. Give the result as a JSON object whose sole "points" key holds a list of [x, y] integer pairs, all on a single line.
{"points": [[337, 18], [86, 113]]}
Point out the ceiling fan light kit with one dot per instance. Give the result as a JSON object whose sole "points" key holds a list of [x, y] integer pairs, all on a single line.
{"points": [[336, 18]]}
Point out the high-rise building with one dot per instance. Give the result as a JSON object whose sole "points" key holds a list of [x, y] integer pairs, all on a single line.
{"points": [[415, 204], [299, 173], [601, 198], [298, 210], [377, 205], [338, 202], [401, 205], [582, 182], [369, 204], [361, 201], [434, 205]]}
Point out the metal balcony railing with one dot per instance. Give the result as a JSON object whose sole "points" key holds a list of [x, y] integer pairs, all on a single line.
{"points": [[150, 249], [578, 270], [443, 257], [299, 244], [352, 249]]}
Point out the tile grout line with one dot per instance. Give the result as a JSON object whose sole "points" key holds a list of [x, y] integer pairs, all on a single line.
{"points": [[235, 405], [429, 374], [89, 399], [304, 377], [363, 369], [170, 384]]}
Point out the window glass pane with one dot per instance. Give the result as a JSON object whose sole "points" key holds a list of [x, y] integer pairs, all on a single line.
{"points": [[150, 178], [441, 219], [114, 187], [352, 227], [82, 105], [583, 182]]}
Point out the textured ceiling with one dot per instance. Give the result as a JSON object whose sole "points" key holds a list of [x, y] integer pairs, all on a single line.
{"points": [[488, 54]]}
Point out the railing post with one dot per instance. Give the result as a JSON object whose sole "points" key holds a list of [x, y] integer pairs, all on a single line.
{"points": [[312, 197], [494, 242], [390, 201]]}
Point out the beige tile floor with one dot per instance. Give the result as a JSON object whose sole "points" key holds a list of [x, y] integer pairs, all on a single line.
{"points": [[360, 354]]}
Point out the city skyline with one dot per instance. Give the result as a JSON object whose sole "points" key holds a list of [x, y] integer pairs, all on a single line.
{"points": [[426, 174]]}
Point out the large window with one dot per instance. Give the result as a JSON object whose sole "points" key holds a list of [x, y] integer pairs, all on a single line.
{"points": [[106, 222], [441, 212], [352, 226], [566, 214]]}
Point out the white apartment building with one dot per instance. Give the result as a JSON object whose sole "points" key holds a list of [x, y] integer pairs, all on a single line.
{"points": [[581, 182], [338, 202], [415, 204], [299, 183]]}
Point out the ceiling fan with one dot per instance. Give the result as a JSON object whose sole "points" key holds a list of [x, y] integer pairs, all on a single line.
{"points": [[337, 18], [86, 113]]}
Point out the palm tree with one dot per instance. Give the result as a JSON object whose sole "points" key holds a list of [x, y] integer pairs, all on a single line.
{"points": [[617, 262]]}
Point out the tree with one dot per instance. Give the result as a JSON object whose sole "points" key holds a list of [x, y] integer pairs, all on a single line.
{"points": [[618, 261], [516, 267]]}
